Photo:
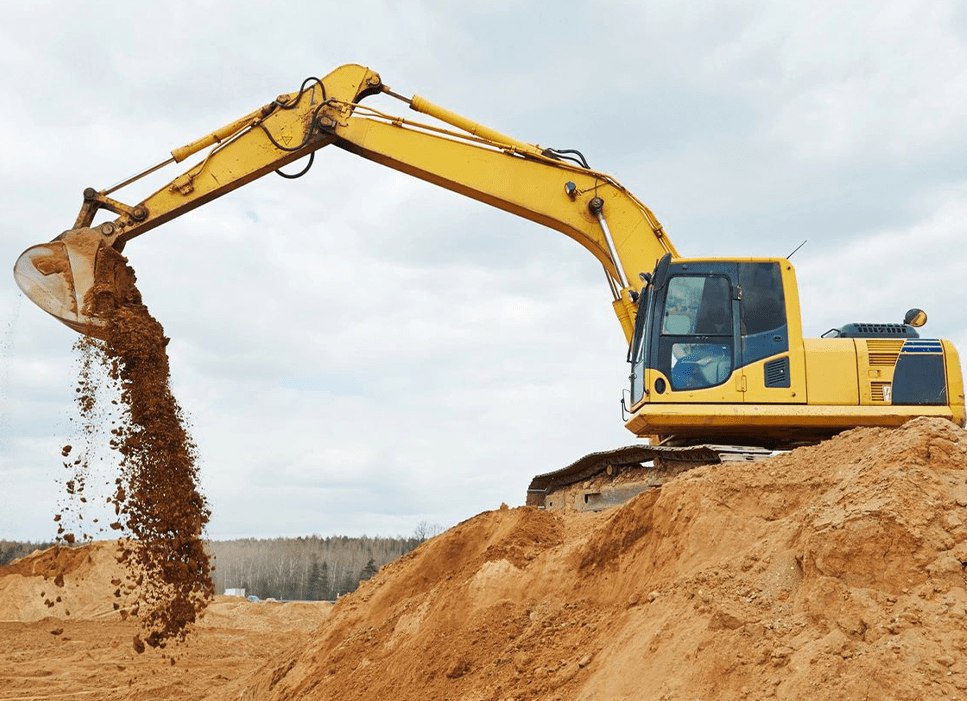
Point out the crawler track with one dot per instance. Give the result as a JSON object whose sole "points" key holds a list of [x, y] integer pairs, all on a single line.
{"points": [[653, 465]]}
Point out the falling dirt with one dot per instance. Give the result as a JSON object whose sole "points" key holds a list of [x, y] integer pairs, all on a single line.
{"points": [[157, 503]]}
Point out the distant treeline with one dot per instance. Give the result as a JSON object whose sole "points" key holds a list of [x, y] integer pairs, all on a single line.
{"points": [[312, 568], [11, 550]]}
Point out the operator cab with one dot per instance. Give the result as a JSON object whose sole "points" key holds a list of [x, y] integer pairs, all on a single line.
{"points": [[699, 321]]}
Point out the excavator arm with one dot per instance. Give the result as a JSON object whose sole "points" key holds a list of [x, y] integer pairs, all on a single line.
{"points": [[471, 159]]}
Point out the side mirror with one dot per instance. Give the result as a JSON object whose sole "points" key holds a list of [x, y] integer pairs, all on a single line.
{"points": [[915, 317]]}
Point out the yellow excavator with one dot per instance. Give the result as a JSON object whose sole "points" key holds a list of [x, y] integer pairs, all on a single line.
{"points": [[716, 347]]}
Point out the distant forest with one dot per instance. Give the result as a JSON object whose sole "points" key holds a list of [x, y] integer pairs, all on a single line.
{"points": [[11, 550], [309, 569], [312, 568]]}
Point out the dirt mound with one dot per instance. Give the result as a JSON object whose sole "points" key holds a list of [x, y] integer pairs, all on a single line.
{"points": [[836, 571], [83, 583], [235, 613]]}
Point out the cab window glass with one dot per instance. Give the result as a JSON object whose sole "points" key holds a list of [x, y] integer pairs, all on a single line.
{"points": [[696, 349], [700, 365], [763, 306], [697, 305], [763, 312], [638, 353]]}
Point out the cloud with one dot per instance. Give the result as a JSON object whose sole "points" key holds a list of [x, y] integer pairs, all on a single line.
{"points": [[359, 351], [878, 278]]}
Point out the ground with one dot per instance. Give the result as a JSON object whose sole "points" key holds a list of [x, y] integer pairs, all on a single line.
{"points": [[831, 572], [55, 658]]}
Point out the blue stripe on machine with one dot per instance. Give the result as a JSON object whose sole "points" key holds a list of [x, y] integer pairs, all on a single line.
{"points": [[922, 346]]}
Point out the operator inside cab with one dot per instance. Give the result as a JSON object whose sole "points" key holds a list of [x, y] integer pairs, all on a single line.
{"points": [[698, 307]]}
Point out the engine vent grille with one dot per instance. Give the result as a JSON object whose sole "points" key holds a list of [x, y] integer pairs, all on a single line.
{"points": [[777, 372], [883, 353], [882, 329], [880, 391]]}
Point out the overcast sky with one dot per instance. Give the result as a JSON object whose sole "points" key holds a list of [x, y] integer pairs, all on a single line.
{"points": [[359, 351]]}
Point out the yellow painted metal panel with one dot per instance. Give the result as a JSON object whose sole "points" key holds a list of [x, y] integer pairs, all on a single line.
{"points": [[762, 424], [757, 392], [831, 371], [876, 360], [955, 383]]}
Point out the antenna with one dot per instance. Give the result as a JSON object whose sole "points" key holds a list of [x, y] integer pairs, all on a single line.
{"points": [[796, 249]]}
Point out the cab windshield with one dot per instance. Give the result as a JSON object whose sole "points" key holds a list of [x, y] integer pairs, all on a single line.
{"points": [[696, 344]]}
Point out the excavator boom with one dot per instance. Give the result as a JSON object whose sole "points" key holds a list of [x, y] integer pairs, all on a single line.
{"points": [[471, 159]]}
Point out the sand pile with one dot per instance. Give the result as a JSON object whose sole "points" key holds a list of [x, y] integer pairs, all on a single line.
{"points": [[83, 583], [45, 654], [236, 613], [831, 572]]}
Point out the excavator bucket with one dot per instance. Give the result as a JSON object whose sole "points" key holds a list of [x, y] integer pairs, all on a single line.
{"points": [[59, 277]]}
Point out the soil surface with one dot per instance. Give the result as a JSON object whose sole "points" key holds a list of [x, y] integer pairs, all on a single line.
{"points": [[81, 646], [830, 572]]}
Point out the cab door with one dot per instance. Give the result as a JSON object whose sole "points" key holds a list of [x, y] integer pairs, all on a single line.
{"points": [[695, 346]]}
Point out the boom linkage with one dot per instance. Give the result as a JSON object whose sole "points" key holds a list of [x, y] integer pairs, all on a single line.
{"points": [[475, 161]]}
